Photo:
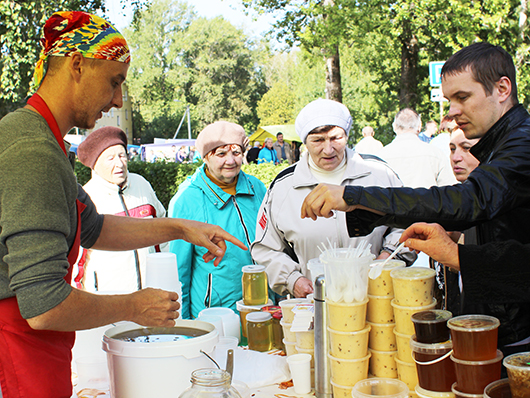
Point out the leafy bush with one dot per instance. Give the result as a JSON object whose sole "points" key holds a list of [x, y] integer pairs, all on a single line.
{"points": [[165, 178]]}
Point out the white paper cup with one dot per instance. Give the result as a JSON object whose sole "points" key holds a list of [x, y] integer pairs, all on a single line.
{"points": [[299, 364]]}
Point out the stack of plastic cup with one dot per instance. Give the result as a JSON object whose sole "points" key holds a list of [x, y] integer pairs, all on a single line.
{"points": [[413, 292], [380, 317], [289, 338], [475, 356]]}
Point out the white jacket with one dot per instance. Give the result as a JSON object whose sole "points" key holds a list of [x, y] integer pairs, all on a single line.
{"points": [[284, 242], [116, 271]]}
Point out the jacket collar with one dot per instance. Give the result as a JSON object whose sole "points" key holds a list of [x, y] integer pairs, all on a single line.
{"points": [[214, 193], [109, 186], [355, 168], [482, 149]]}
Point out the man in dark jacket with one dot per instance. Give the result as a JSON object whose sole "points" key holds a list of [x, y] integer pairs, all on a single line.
{"points": [[480, 83]]}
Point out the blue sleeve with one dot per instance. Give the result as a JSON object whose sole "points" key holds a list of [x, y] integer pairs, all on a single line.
{"points": [[179, 207]]}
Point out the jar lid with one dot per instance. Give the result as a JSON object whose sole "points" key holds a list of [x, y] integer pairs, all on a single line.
{"points": [[242, 307], [251, 269], [412, 273], [473, 323], [432, 348], [431, 316], [258, 316], [518, 362]]}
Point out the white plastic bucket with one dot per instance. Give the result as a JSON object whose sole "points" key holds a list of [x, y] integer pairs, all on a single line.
{"points": [[161, 369]]}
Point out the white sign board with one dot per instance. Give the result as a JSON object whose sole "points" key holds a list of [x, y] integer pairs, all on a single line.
{"points": [[437, 95]]}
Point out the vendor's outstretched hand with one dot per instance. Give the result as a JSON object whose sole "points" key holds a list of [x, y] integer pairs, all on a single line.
{"points": [[434, 241], [211, 237], [322, 200]]}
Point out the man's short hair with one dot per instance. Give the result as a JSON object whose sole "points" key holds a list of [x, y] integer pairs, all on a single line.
{"points": [[407, 119], [279, 133], [488, 64]]}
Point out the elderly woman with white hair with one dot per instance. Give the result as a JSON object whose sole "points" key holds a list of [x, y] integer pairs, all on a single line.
{"points": [[218, 193], [267, 154], [284, 241]]}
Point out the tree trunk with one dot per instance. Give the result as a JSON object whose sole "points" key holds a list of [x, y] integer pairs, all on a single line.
{"points": [[521, 53], [333, 83], [408, 96]]}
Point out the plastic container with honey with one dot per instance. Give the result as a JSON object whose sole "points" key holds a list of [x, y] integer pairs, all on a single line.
{"points": [[435, 369], [474, 337]]}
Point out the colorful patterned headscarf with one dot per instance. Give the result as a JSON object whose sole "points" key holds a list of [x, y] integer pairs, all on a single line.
{"points": [[66, 32]]}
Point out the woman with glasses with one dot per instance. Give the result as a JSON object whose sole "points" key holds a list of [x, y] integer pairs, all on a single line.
{"points": [[218, 193]]}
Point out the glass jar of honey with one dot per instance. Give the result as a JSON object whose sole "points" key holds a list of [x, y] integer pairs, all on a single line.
{"points": [[259, 331], [255, 285]]}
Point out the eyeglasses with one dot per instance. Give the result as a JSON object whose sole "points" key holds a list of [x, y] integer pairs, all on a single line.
{"points": [[222, 151]]}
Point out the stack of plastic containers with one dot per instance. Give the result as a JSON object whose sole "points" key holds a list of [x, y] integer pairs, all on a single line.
{"points": [[289, 338], [475, 356], [413, 292], [518, 367], [346, 303], [432, 347], [380, 317]]}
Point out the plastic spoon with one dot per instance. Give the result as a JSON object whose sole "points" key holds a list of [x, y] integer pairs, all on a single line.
{"points": [[376, 270]]}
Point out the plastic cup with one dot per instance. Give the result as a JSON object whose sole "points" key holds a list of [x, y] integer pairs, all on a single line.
{"points": [[435, 369], [423, 393], [305, 340], [383, 364], [402, 315], [380, 387], [349, 345], [347, 372], [346, 275], [500, 389], [287, 308], [224, 344], [474, 337], [299, 365], [518, 368], [407, 373], [290, 347], [460, 394], [379, 309], [431, 326], [316, 268], [382, 337], [92, 373], [340, 391], [413, 286], [382, 285], [473, 376], [287, 334], [307, 351], [347, 317], [403, 347], [244, 310], [231, 323]]}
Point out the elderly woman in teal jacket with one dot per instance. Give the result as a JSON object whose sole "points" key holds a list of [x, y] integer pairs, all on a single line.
{"points": [[218, 193]]}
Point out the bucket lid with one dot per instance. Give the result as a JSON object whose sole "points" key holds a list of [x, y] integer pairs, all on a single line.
{"points": [[251, 269], [258, 316], [407, 308], [394, 263], [476, 363], [207, 337], [433, 348], [412, 273], [431, 316], [473, 323], [518, 362]]}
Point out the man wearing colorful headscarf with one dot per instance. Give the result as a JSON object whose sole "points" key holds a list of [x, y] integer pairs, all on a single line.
{"points": [[45, 214]]}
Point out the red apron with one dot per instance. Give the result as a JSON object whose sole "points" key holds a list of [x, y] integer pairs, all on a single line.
{"points": [[37, 363]]}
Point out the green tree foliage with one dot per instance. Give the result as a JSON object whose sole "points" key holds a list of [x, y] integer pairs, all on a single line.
{"points": [[277, 106], [180, 60], [20, 32]]}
